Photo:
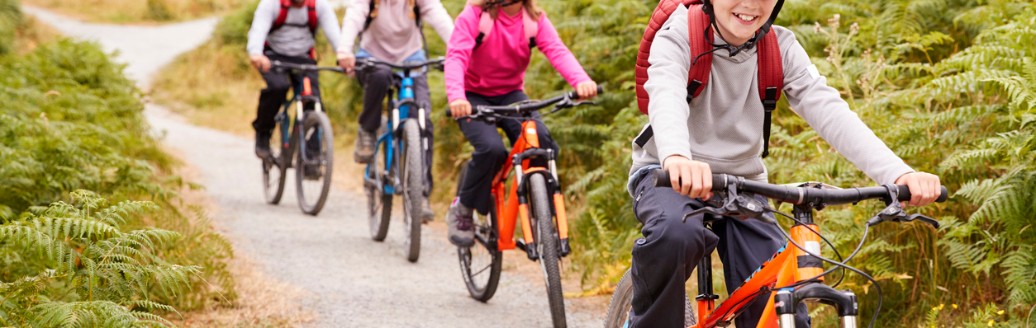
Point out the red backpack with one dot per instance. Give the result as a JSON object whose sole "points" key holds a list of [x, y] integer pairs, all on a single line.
{"points": [[282, 18], [771, 73]]}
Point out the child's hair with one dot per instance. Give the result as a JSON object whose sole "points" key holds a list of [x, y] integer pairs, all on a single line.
{"points": [[493, 7]]}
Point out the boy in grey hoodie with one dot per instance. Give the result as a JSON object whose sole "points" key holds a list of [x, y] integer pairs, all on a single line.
{"points": [[720, 132]]}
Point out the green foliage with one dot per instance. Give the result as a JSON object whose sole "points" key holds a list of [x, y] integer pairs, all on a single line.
{"points": [[10, 19], [72, 265], [75, 122]]}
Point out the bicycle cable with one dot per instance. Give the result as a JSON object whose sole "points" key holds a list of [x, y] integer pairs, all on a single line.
{"points": [[845, 266]]}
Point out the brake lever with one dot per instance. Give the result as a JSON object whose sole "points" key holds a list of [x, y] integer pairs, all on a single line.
{"points": [[894, 212]]}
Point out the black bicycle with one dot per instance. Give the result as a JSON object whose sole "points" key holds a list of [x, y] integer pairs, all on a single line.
{"points": [[306, 124]]}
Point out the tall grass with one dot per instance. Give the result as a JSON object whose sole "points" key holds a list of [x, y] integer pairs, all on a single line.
{"points": [[73, 121], [139, 11]]}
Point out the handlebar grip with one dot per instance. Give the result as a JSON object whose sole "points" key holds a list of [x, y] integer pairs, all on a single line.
{"points": [[904, 193], [575, 95], [719, 181]]}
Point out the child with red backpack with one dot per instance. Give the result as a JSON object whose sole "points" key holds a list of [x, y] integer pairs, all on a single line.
{"points": [[711, 72], [285, 30], [486, 60]]}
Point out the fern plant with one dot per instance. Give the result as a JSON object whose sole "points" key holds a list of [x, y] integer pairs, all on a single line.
{"points": [[80, 269]]}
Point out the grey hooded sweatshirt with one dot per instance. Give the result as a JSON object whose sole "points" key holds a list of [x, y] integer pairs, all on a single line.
{"points": [[294, 38], [723, 126]]}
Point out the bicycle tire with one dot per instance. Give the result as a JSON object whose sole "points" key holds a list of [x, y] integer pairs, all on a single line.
{"points": [[481, 263], [315, 124], [413, 188], [379, 204], [622, 303], [274, 169], [547, 242]]}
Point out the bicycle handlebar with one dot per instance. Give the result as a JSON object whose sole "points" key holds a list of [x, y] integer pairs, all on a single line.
{"points": [[801, 195], [525, 107], [281, 66], [364, 63]]}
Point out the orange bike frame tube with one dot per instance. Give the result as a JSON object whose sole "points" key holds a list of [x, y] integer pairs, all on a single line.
{"points": [[783, 269], [508, 208], [307, 87]]}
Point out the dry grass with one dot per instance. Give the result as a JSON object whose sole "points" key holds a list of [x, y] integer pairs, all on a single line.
{"points": [[211, 88], [137, 11], [32, 34], [254, 300]]}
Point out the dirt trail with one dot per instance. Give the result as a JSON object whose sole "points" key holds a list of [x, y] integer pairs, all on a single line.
{"points": [[348, 280]]}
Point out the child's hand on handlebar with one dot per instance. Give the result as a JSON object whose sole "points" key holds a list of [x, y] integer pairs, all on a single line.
{"points": [[460, 108], [586, 89], [924, 187], [689, 177], [262, 63], [347, 63]]}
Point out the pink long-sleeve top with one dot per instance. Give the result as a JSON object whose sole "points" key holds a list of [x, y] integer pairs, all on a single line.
{"points": [[498, 65]]}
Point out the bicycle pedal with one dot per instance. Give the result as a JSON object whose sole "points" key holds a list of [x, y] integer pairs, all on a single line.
{"points": [[565, 248]]}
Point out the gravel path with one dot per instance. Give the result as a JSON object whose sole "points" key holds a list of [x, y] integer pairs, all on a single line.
{"points": [[350, 280]]}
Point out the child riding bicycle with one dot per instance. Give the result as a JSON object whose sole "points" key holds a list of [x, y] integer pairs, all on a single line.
{"points": [[718, 131], [389, 31], [285, 30], [486, 59]]}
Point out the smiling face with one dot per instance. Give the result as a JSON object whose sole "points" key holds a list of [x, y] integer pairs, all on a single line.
{"points": [[738, 20]]}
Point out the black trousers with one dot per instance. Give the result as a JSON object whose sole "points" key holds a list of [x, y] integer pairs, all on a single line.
{"points": [[277, 85], [376, 82], [490, 153], [664, 259]]}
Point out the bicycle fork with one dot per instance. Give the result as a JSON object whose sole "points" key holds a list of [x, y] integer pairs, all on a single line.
{"points": [[787, 300], [557, 206]]}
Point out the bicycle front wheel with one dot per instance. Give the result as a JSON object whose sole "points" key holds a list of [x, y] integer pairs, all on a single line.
{"points": [[379, 204], [480, 264], [314, 163], [413, 188], [547, 241], [622, 304], [274, 168]]}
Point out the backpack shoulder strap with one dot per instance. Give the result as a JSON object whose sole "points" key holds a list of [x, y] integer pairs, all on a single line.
{"points": [[311, 8], [532, 27], [700, 41], [485, 27], [282, 16], [372, 12], [771, 81], [658, 18]]}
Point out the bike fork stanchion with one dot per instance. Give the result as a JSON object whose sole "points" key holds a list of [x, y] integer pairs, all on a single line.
{"points": [[786, 301]]}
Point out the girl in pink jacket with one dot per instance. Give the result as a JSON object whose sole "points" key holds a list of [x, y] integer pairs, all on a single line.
{"points": [[486, 59]]}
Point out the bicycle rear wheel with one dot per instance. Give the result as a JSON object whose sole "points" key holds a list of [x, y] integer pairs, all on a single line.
{"points": [[275, 166], [413, 188], [547, 242], [480, 264], [314, 163], [379, 204], [622, 304]]}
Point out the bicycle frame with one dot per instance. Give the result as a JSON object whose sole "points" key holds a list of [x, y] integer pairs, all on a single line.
{"points": [[514, 204], [786, 267], [400, 112], [302, 93]]}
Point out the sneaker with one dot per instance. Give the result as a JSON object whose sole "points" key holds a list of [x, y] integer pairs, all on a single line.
{"points": [[311, 171], [458, 219], [262, 144], [427, 215], [364, 147]]}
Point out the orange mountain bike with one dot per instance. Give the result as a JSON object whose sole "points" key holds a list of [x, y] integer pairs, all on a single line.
{"points": [[535, 186], [795, 273]]}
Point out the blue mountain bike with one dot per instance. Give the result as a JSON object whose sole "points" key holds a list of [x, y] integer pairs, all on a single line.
{"points": [[303, 140], [398, 164]]}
